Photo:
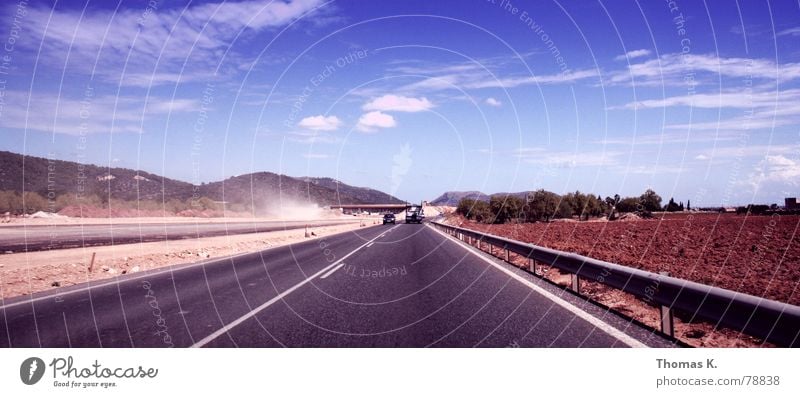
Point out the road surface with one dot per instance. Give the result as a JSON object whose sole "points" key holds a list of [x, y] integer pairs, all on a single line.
{"points": [[383, 286], [45, 237]]}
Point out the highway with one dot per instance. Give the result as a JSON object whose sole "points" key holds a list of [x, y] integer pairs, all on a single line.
{"points": [[381, 286], [45, 237]]}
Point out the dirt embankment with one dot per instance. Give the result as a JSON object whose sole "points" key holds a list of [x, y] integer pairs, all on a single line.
{"points": [[26, 273]]}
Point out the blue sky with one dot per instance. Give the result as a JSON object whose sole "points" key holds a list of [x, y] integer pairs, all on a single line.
{"points": [[697, 101]]}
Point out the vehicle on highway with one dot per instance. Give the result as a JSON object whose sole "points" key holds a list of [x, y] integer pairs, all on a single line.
{"points": [[389, 218], [414, 215]]}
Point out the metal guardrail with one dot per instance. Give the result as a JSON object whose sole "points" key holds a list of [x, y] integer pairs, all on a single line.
{"points": [[773, 321]]}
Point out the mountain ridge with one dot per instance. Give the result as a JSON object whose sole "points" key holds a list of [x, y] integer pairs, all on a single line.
{"points": [[52, 178]]}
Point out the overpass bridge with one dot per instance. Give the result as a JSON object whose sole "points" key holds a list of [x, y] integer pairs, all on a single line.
{"points": [[373, 208]]}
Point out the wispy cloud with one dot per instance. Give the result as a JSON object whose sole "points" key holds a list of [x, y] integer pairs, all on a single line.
{"points": [[633, 54], [761, 118], [399, 103], [732, 152], [316, 156], [140, 38], [566, 159], [496, 72], [737, 99], [102, 114], [670, 138], [673, 68], [310, 137], [512, 82], [790, 32]]}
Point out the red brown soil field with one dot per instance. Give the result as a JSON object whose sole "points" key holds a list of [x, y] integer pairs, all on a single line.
{"points": [[757, 255]]}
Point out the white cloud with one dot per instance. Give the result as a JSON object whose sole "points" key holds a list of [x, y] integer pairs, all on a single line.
{"points": [[512, 82], [311, 137], [761, 118], [493, 102], [766, 108], [370, 122], [483, 73], [633, 54], [320, 123], [669, 138], [776, 170], [98, 114], [728, 99], [671, 69], [133, 39], [657, 169], [316, 156], [790, 32], [701, 157], [556, 159], [399, 103]]}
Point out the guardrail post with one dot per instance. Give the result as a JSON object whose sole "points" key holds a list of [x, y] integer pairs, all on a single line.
{"points": [[507, 257], [532, 265], [667, 320], [667, 325], [576, 284]]}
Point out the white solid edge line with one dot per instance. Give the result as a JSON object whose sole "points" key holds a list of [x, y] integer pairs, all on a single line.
{"points": [[370, 244], [280, 296], [332, 270], [619, 335], [154, 272]]}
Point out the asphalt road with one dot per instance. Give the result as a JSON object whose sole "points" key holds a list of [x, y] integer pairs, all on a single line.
{"points": [[45, 237], [386, 286]]}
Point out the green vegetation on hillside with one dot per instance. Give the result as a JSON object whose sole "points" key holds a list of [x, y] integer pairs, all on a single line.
{"points": [[545, 206]]}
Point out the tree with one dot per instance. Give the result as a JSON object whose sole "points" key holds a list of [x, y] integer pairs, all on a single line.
{"points": [[579, 203], [650, 200], [629, 204], [464, 206], [476, 210], [540, 205], [34, 202], [594, 206], [10, 201], [481, 212], [672, 206], [564, 210], [688, 205], [505, 208], [611, 203]]}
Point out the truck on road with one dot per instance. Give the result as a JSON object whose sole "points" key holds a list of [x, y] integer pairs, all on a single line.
{"points": [[414, 214]]}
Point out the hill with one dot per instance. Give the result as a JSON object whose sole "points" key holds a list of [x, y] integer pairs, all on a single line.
{"points": [[452, 198], [349, 193], [58, 178]]}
